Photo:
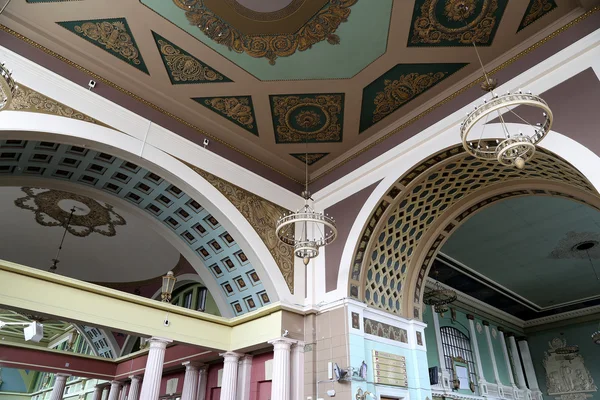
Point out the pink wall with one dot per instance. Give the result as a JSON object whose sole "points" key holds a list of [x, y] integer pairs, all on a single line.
{"points": [[212, 381], [258, 386], [163, 383]]}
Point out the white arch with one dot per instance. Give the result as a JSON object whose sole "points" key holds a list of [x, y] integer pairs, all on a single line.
{"points": [[582, 158], [35, 126]]}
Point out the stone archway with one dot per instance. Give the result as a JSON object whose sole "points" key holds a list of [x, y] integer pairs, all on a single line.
{"points": [[422, 208]]}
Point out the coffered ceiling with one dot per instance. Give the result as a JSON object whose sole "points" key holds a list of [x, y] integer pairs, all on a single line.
{"points": [[267, 77]]}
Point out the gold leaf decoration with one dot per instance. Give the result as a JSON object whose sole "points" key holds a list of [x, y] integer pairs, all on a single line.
{"points": [[262, 215], [235, 108], [320, 27]]}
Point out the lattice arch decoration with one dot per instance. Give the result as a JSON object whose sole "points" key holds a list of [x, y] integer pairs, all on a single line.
{"points": [[421, 210]]}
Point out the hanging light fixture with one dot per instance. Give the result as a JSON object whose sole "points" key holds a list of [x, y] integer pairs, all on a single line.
{"points": [[596, 336], [439, 297], [569, 352], [168, 283], [56, 259], [306, 229], [516, 148], [8, 87]]}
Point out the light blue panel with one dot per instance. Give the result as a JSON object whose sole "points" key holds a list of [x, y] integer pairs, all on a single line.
{"points": [[500, 360], [484, 353], [579, 335], [432, 350], [12, 381]]}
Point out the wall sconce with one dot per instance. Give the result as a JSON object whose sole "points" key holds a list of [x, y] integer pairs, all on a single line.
{"points": [[168, 283]]}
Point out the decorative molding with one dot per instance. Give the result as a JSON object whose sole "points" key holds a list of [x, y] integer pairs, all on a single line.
{"points": [[262, 215], [320, 27], [311, 159], [536, 10], [386, 331], [567, 378], [112, 35], [184, 68], [237, 109]]}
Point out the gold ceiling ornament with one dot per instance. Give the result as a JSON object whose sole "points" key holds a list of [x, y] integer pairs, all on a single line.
{"points": [[50, 209], [517, 147], [184, 68], [236, 108], [8, 87], [320, 27]]}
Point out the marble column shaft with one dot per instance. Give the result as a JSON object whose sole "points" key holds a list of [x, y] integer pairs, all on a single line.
{"points": [[202, 377], [154, 368], [528, 365], [97, 392], [124, 392], [281, 383], [516, 361], [297, 371], [229, 379], [190, 381], [244, 371], [60, 381], [134, 388], [488, 336], [506, 359], [115, 387]]}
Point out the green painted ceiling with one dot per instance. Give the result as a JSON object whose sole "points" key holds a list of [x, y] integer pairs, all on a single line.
{"points": [[363, 40], [511, 243]]}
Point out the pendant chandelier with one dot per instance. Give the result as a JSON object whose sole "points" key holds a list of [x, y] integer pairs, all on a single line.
{"points": [[439, 297], [305, 229], [516, 147], [8, 87]]}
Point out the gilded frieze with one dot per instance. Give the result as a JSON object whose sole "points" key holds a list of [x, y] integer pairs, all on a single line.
{"points": [[263, 216], [536, 10], [386, 331], [455, 22], [29, 100], [112, 35], [320, 27], [308, 117], [309, 158], [237, 109], [182, 67], [398, 86]]}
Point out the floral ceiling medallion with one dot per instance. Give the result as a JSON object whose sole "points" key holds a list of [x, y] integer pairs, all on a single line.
{"points": [[53, 207], [320, 27]]}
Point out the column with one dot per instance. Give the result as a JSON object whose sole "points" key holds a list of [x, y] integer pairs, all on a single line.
{"points": [[124, 392], [280, 385], [473, 332], [190, 381], [202, 377], [134, 388], [98, 392], [486, 327], [105, 392], [58, 390], [154, 368], [516, 362], [440, 348], [528, 365], [506, 359], [243, 383], [229, 379], [297, 371], [115, 387]]}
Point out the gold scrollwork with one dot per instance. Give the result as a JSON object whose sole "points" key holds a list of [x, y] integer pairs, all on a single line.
{"points": [[399, 91], [236, 108], [184, 68], [113, 36], [537, 9], [320, 27]]}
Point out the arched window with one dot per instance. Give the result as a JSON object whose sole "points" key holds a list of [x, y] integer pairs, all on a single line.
{"points": [[457, 344], [192, 296]]}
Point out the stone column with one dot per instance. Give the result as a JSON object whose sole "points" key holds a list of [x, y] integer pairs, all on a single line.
{"points": [[190, 381], [154, 368], [243, 383], [229, 379], [202, 377], [482, 382], [281, 385], [98, 392], [516, 362], [528, 365], [506, 359], [486, 327], [297, 371], [440, 348], [105, 392], [58, 390], [134, 388], [124, 392], [115, 387]]}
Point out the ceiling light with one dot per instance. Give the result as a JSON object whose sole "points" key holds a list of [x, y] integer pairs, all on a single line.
{"points": [[56, 259], [306, 229], [569, 352], [517, 147], [8, 87], [168, 283], [439, 297]]}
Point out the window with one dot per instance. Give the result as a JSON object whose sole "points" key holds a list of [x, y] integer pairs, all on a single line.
{"points": [[457, 344], [191, 296]]}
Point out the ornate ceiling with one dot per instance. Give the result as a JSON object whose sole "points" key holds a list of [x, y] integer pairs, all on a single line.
{"points": [[266, 77]]}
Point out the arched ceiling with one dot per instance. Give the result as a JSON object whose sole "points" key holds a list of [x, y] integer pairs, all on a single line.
{"points": [[335, 73]]}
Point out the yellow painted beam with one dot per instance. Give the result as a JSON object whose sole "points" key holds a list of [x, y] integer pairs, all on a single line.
{"points": [[73, 300]]}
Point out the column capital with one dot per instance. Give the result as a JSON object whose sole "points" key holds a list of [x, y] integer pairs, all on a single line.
{"points": [[501, 329], [485, 323], [62, 375], [247, 359], [192, 365], [231, 356], [159, 342], [510, 334], [470, 317], [116, 383], [136, 377], [282, 343]]}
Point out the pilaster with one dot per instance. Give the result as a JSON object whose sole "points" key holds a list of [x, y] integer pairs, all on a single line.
{"points": [[528, 365], [190, 381], [506, 359], [440, 348], [481, 378], [202, 376], [297, 371], [488, 336], [516, 362]]}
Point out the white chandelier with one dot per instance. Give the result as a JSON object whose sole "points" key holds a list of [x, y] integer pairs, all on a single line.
{"points": [[306, 229], [8, 87], [516, 148]]}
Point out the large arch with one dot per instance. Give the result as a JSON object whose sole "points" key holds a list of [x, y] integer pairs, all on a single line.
{"points": [[270, 286], [410, 216]]}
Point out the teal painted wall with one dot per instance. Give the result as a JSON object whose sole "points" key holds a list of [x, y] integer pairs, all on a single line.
{"points": [[578, 334], [12, 381], [484, 352], [432, 351]]}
